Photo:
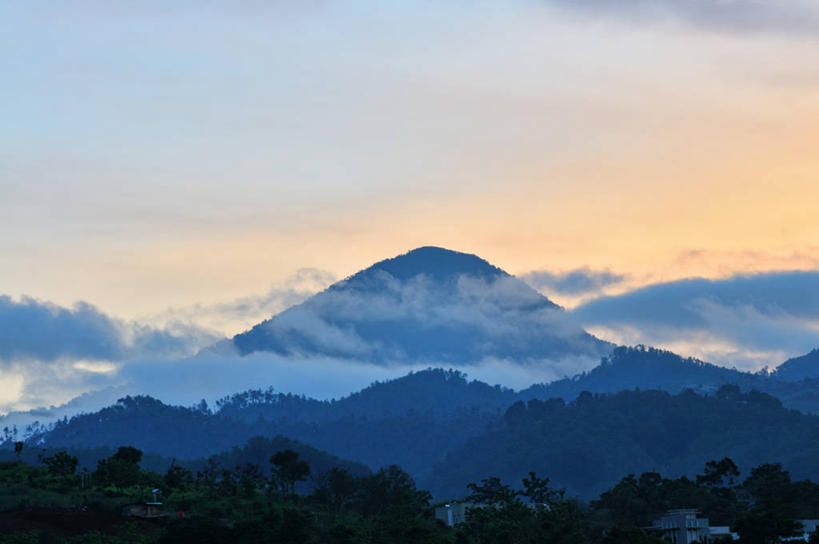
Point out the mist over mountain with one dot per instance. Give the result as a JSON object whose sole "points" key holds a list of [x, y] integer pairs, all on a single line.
{"points": [[434, 306]]}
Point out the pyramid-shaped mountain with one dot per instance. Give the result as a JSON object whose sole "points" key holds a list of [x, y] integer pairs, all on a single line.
{"points": [[428, 306]]}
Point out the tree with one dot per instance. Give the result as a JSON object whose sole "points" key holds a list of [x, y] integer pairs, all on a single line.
{"points": [[390, 489], [771, 517], [250, 477], [121, 469], [721, 473], [630, 535], [18, 447], [491, 491], [336, 488], [766, 523], [288, 470], [538, 491], [61, 464], [178, 477]]}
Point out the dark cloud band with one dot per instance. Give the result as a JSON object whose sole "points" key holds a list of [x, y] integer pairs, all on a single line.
{"points": [[31, 329]]}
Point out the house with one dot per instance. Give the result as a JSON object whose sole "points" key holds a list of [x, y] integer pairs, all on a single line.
{"points": [[453, 513], [682, 526]]}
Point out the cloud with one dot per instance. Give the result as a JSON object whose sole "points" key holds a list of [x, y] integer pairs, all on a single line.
{"points": [[422, 320], [42, 331], [791, 16], [580, 281], [749, 321], [212, 376], [50, 354], [239, 314], [336, 343], [341, 340]]}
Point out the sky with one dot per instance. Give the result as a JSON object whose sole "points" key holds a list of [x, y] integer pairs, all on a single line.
{"points": [[180, 170]]}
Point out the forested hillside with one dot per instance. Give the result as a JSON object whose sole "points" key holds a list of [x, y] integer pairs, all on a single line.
{"points": [[641, 367], [588, 443], [428, 418], [435, 391], [799, 368], [412, 421]]}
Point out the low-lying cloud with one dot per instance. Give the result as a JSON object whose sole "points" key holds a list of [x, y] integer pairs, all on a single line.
{"points": [[422, 320], [747, 321], [50, 353], [500, 330], [242, 313], [34, 330], [580, 281], [212, 374]]}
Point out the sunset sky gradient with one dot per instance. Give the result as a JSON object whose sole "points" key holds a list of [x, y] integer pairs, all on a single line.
{"points": [[157, 157]]}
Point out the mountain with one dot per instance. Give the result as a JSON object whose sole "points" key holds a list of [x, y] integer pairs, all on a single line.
{"points": [[799, 368], [643, 367], [428, 306], [588, 444], [443, 428], [412, 421], [93, 400], [442, 393]]}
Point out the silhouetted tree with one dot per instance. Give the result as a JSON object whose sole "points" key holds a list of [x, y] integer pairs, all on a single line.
{"points": [[61, 464], [491, 491], [538, 491], [121, 469], [721, 473], [288, 470]]}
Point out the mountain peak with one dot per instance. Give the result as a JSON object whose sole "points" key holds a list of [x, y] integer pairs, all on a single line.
{"points": [[435, 263], [428, 306]]}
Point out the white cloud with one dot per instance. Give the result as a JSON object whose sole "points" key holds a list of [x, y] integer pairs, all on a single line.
{"points": [[234, 316], [746, 321]]}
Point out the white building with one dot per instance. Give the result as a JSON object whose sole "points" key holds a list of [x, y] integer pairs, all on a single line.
{"points": [[684, 527], [453, 513]]}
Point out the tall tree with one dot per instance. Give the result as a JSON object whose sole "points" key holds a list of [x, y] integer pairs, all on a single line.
{"points": [[288, 470]]}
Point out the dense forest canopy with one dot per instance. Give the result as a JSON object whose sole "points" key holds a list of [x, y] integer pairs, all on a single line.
{"points": [[586, 444], [120, 502]]}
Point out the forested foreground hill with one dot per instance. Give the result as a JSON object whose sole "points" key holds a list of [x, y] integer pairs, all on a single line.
{"points": [[587, 444]]}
